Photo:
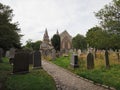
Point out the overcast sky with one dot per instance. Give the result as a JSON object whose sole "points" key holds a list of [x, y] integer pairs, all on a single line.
{"points": [[75, 16]]}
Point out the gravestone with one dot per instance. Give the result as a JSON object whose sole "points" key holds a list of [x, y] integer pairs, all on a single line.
{"points": [[7, 54], [37, 60], [30, 58], [107, 59], [21, 63], [90, 61], [11, 55], [79, 52], [74, 60], [0, 55], [53, 54]]}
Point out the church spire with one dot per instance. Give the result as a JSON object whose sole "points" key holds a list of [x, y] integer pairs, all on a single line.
{"points": [[46, 37], [57, 32]]}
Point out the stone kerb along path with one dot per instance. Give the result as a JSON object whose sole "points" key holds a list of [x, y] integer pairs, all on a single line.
{"points": [[66, 80]]}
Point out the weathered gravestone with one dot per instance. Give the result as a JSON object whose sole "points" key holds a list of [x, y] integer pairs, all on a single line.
{"points": [[7, 54], [30, 58], [74, 60], [53, 54], [0, 55], [90, 61], [21, 63], [107, 59], [11, 55], [37, 60], [79, 52]]}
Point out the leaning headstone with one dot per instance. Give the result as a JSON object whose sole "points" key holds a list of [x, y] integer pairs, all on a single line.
{"points": [[90, 61], [0, 54], [21, 63], [11, 55], [53, 54], [37, 60], [74, 60], [30, 58], [107, 59]]}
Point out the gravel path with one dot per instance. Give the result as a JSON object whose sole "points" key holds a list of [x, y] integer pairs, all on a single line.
{"points": [[65, 80]]}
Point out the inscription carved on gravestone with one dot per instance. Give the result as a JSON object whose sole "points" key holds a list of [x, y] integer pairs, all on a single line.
{"points": [[21, 63], [37, 60], [74, 60], [90, 61]]}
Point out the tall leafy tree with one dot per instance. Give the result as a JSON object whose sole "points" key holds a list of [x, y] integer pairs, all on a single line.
{"points": [[9, 32], [32, 45], [56, 42], [109, 17], [79, 42], [98, 38]]}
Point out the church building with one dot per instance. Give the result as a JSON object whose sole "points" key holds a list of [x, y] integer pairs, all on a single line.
{"points": [[65, 42]]}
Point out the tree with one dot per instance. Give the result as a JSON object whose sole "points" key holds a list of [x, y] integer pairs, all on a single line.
{"points": [[9, 32], [79, 42], [36, 45], [56, 42], [109, 17], [98, 38], [32, 45]]}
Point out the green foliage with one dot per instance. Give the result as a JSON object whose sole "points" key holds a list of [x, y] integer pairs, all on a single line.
{"points": [[79, 42], [32, 45], [56, 42], [62, 61], [5, 68], [35, 80], [109, 17], [98, 38], [9, 36]]}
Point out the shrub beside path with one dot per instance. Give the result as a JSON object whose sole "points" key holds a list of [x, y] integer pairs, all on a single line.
{"points": [[65, 80]]}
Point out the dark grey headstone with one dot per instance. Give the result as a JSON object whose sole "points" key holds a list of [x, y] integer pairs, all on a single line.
{"points": [[74, 60], [107, 59], [37, 60], [90, 61], [21, 63], [31, 58]]}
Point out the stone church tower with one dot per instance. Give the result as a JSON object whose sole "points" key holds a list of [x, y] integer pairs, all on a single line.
{"points": [[46, 37], [46, 45]]}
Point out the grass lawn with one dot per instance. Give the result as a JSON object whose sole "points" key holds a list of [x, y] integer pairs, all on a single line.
{"points": [[35, 80], [100, 74]]}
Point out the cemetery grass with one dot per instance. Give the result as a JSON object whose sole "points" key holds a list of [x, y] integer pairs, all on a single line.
{"points": [[109, 77], [35, 80]]}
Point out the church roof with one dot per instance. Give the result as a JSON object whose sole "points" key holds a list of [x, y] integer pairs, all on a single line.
{"points": [[64, 33]]}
